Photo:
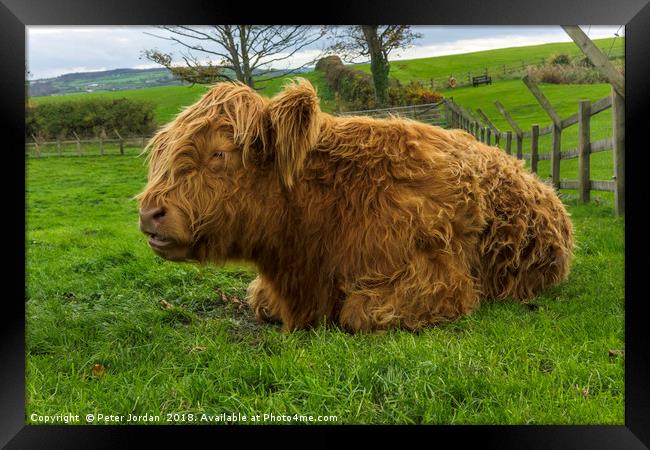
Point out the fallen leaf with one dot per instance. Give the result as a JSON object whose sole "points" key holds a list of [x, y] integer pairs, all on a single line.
{"points": [[99, 370], [232, 300], [164, 304], [583, 391]]}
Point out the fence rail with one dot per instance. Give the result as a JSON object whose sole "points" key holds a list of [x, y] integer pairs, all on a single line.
{"points": [[432, 113], [513, 70], [449, 114], [483, 128], [38, 148]]}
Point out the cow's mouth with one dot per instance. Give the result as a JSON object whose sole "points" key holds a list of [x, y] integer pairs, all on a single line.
{"points": [[168, 248], [157, 241]]}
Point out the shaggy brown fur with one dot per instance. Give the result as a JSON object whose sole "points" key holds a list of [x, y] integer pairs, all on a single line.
{"points": [[368, 223]]}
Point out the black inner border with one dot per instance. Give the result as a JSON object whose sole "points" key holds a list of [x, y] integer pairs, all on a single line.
{"points": [[634, 14]]}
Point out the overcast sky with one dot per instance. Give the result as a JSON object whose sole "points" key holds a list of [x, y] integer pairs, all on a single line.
{"points": [[52, 51]]}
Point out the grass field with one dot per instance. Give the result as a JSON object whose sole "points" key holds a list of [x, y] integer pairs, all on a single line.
{"points": [[113, 329], [521, 104], [425, 69], [170, 100], [513, 94]]}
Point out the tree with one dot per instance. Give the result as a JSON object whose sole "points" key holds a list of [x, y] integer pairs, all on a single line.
{"points": [[377, 42], [218, 52]]}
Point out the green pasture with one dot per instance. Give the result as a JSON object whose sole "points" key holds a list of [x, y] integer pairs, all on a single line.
{"points": [[170, 100], [113, 329], [458, 66]]}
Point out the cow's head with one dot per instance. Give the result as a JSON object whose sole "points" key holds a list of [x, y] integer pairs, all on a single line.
{"points": [[207, 167]]}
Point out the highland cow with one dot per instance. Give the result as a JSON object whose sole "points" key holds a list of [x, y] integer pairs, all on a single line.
{"points": [[361, 222]]}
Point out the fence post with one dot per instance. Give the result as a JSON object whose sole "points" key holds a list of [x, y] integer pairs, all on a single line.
{"points": [[491, 126], [509, 142], [102, 135], [518, 132], [542, 100], [78, 143], [555, 156], [488, 135], [36, 147], [618, 144], [520, 146], [447, 116], [534, 148], [119, 136], [58, 146], [584, 149], [482, 134], [601, 61]]}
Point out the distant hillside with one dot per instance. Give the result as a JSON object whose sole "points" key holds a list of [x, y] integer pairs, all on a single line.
{"points": [[171, 99], [110, 80], [498, 63]]}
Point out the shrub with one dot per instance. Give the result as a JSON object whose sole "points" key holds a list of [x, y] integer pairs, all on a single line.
{"points": [[578, 73], [414, 93], [353, 86], [418, 94], [559, 59], [356, 89], [89, 117], [585, 62]]}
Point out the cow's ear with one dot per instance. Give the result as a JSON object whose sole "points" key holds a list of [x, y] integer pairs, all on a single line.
{"points": [[293, 117]]}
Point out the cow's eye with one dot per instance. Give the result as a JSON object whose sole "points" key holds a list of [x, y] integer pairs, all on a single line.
{"points": [[218, 155]]}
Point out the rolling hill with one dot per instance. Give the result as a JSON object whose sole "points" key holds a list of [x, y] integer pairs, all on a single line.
{"points": [[511, 92]]}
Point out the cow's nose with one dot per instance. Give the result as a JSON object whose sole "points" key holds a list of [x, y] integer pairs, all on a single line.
{"points": [[152, 217]]}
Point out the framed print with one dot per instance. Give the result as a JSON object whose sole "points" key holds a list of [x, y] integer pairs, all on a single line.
{"points": [[331, 224]]}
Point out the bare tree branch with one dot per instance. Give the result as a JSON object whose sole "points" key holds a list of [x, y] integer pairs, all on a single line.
{"points": [[249, 50]]}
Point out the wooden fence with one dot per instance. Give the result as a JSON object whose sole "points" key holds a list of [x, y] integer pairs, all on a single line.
{"points": [[500, 71], [98, 145], [432, 113], [483, 129], [449, 114]]}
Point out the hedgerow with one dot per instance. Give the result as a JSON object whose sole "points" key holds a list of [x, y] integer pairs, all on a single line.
{"points": [[89, 117], [356, 88]]}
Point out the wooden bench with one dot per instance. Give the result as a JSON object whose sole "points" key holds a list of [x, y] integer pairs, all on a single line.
{"points": [[482, 79]]}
